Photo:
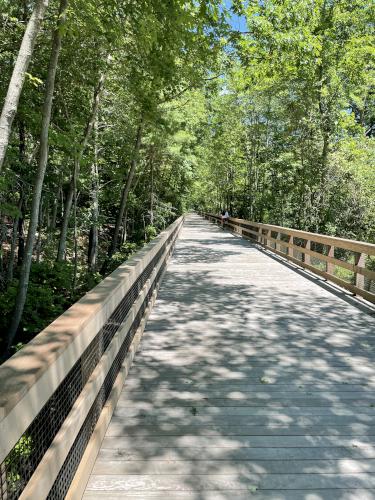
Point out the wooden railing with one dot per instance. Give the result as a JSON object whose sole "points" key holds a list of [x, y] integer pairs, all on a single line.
{"points": [[346, 263], [58, 393]]}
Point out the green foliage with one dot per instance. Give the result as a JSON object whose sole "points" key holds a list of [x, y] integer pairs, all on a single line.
{"points": [[19, 453], [150, 232], [126, 250], [49, 295], [287, 139]]}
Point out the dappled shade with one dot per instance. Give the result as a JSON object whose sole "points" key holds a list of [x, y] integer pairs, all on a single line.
{"points": [[252, 379]]}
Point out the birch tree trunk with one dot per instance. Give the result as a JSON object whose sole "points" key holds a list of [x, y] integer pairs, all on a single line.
{"points": [[18, 76], [93, 238], [37, 193]]}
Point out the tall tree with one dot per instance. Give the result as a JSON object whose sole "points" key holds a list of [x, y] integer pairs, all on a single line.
{"points": [[18, 76]]}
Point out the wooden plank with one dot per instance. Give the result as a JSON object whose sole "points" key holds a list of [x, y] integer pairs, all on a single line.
{"points": [[264, 393], [359, 429], [306, 362], [285, 403], [222, 385], [133, 443], [203, 425], [268, 372], [257, 354], [233, 411], [249, 482], [211, 453], [321, 494], [225, 467], [165, 422]]}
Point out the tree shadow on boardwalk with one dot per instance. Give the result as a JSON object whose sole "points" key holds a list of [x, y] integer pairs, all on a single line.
{"points": [[245, 388]]}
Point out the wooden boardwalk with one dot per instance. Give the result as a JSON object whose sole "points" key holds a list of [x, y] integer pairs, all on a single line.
{"points": [[252, 381]]}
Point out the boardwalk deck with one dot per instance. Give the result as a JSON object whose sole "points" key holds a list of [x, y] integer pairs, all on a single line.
{"points": [[252, 381]]}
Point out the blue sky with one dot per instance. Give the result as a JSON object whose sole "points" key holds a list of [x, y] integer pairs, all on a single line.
{"points": [[238, 23]]}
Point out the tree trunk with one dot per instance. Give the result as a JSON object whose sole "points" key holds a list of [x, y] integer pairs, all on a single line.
{"points": [[125, 192], [75, 238], [38, 246], [86, 136], [3, 238], [93, 238], [152, 189], [18, 76], [21, 236], [43, 157], [124, 227], [13, 244], [55, 206], [65, 222], [21, 206], [52, 215]]}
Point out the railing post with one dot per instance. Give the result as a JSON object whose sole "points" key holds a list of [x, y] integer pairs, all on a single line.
{"points": [[277, 244], [331, 267], [265, 237], [259, 236], [360, 261], [306, 257], [290, 249]]}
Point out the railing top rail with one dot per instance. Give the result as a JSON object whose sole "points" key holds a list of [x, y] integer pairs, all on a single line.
{"points": [[70, 333], [346, 244]]}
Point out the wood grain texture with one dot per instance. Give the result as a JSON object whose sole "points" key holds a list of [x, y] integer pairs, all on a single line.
{"points": [[252, 381]]}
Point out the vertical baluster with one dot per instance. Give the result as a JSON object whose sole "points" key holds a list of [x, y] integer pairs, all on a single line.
{"points": [[277, 245], [331, 253], [290, 249], [360, 261], [259, 236], [306, 257], [266, 235]]}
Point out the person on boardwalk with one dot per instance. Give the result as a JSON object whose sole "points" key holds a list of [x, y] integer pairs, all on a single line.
{"points": [[224, 217]]}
